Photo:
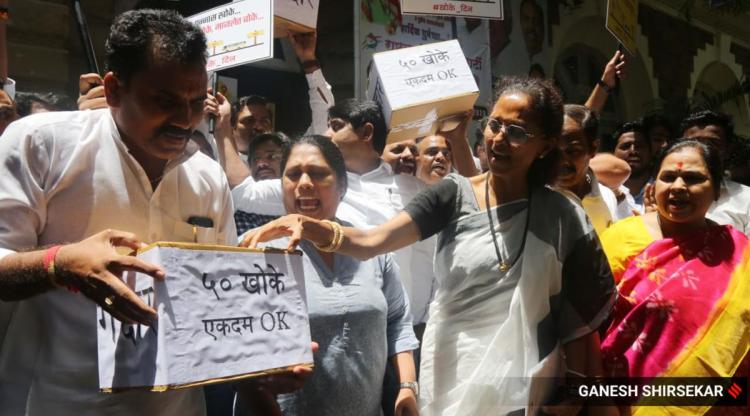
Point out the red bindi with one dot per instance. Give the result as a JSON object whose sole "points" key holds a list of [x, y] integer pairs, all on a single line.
{"points": [[679, 165]]}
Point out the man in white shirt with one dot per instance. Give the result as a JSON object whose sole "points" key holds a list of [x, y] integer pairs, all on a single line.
{"points": [[717, 129], [81, 176], [631, 144]]}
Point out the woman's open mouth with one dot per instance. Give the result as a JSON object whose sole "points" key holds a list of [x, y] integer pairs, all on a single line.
{"points": [[307, 205]]}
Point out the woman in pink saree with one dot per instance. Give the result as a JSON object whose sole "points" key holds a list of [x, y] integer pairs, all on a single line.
{"points": [[683, 308]]}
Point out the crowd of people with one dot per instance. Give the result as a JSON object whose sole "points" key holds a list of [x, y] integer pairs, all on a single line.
{"points": [[442, 278]]}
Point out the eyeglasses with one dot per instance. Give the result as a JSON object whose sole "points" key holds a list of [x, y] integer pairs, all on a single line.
{"points": [[514, 133], [268, 158]]}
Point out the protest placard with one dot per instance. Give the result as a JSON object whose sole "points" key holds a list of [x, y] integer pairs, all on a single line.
{"points": [[622, 22], [385, 29], [295, 16], [487, 9], [419, 86], [224, 313], [237, 33]]}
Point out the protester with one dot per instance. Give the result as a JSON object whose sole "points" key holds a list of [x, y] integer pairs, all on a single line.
{"points": [[630, 143], [265, 155], [402, 156], [84, 176], [489, 328], [576, 180], [682, 280], [90, 174], [716, 129], [265, 163], [659, 131], [251, 117], [362, 299], [435, 160]]}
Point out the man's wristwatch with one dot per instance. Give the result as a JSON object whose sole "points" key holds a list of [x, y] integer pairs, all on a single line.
{"points": [[604, 85], [412, 385]]}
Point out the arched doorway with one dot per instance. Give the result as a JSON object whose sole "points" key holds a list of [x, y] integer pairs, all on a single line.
{"points": [[719, 89]]}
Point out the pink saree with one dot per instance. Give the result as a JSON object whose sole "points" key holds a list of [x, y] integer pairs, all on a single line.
{"points": [[683, 308]]}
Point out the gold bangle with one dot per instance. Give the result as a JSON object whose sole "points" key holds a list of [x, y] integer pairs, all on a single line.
{"points": [[340, 240], [338, 237]]}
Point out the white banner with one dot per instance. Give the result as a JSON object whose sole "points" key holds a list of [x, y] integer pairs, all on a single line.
{"points": [[488, 9], [223, 313], [237, 33]]}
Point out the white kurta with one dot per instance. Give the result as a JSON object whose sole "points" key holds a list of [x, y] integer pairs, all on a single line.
{"points": [[66, 176], [733, 206]]}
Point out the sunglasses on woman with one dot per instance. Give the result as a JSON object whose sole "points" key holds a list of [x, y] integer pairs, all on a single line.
{"points": [[514, 133]]}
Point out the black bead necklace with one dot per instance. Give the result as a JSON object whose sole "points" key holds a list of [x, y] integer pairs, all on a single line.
{"points": [[503, 266]]}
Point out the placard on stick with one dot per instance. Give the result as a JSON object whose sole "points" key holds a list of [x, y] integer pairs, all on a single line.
{"points": [[622, 22], [224, 313], [237, 33], [417, 87], [294, 15]]}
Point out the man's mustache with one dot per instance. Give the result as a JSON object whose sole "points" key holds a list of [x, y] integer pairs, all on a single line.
{"points": [[175, 132]]}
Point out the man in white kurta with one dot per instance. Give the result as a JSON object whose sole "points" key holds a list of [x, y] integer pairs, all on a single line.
{"points": [[67, 176]]}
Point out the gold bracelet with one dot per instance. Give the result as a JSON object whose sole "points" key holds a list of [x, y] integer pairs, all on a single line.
{"points": [[340, 240], [338, 237]]}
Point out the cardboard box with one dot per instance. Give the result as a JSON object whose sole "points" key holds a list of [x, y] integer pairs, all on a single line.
{"points": [[295, 16], [224, 313], [418, 87]]}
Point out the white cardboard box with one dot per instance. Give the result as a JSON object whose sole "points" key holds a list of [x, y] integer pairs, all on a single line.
{"points": [[294, 15], [417, 87], [224, 313]]}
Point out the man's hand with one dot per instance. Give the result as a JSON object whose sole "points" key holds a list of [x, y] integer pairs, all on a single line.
{"points": [[91, 92], [286, 382], [304, 45], [406, 403], [615, 69], [649, 198], [94, 267], [218, 106]]}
